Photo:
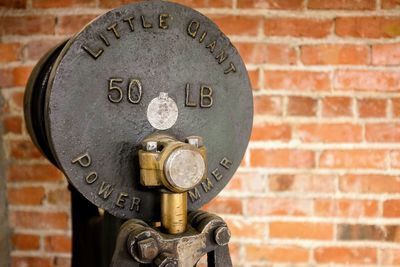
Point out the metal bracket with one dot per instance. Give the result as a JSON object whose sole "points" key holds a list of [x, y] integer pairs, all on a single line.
{"points": [[138, 244]]}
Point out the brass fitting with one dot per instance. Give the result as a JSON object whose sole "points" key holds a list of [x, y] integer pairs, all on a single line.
{"points": [[175, 167]]}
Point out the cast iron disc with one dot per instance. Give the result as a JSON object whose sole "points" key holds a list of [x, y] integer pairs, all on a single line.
{"points": [[147, 43]]}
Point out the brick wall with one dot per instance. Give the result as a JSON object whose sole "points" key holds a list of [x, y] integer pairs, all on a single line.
{"points": [[319, 183]]}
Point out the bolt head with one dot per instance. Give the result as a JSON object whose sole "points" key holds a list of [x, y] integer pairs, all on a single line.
{"points": [[166, 260], [151, 146], [222, 235], [147, 249], [196, 141]]}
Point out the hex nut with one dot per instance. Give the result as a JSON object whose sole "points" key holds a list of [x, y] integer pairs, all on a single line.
{"points": [[166, 260], [222, 235], [196, 141], [147, 249], [150, 146]]}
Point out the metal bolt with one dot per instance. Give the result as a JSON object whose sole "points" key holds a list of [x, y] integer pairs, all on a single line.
{"points": [[196, 141], [151, 146], [222, 235], [147, 249], [166, 260]]}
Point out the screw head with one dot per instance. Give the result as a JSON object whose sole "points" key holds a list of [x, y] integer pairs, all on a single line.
{"points": [[166, 260], [147, 249], [222, 235], [196, 141], [151, 146]]}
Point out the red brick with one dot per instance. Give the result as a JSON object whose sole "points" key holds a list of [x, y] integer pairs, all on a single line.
{"points": [[301, 230], [368, 27], [242, 228], [386, 54], [71, 24], [356, 158], [23, 261], [238, 25], [26, 195], [268, 105], [254, 76], [369, 183], [62, 262], [225, 206], [342, 4], [382, 132], [390, 256], [17, 101], [282, 158], [395, 159], [298, 27], [253, 182], [59, 196], [301, 106], [273, 253], [12, 124], [33, 172], [337, 106], [345, 255], [23, 149], [276, 132], [17, 4], [346, 208], [280, 54], [21, 75], [371, 108], [301, 183], [335, 54], [367, 80], [279, 206], [27, 25], [396, 107], [62, 4], [58, 243], [25, 242], [389, 4], [252, 53], [9, 52], [36, 49], [391, 208], [6, 78], [271, 4], [357, 232], [297, 80], [39, 220], [329, 133]]}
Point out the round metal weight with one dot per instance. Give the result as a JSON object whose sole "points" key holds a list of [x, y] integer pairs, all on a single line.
{"points": [[96, 106]]}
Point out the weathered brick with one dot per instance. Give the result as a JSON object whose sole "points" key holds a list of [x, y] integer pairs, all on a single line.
{"points": [[389, 233], [280, 206], [370, 108], [297, 80], [298, 27], [21, 75], [342, 4], [346, 208], [277, 132], [335, 54], [71, 24], [27, 25], [58, 243], [329, 133], [9, 52], [238, 25], [271, 4], [281, 54], [390, 4], [12, 124], [301, 230], [282, 158], [356, 158], [368, 27], [337, 106], [371, 183], [63, 4], [344, 255], [25, 241], [391, 208], [386, 54], [301, 183], [268, 105], [26, 195], [367, 80], [390, 256], [33, 172], [17, 4], [225, 206], [302, 106], [273, 253], [39, 220], [382, 132], [23, 149], [22, 261]]}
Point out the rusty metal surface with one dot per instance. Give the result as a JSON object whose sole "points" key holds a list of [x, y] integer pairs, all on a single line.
{"points": [[138, 244], [98, 93]]}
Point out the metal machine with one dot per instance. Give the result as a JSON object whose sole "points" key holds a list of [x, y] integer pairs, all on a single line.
{"points": [[148, 112]]}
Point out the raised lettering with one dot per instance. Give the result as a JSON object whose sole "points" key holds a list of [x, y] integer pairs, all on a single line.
{"points": [[203, 35], [221, 57], [113, 28], [93, 54], [207, 185], [91, 178], [104, 39], [112, 87], [206, 99], [188, 103], [145, 23], [135, 99], [129, 20], [211, 46], [194, 194], [231, 68], [135, 205], [217, 175], [163, 21], [105, 190], [84, 160], [192, 28], [226, 163], [120, 203]]}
